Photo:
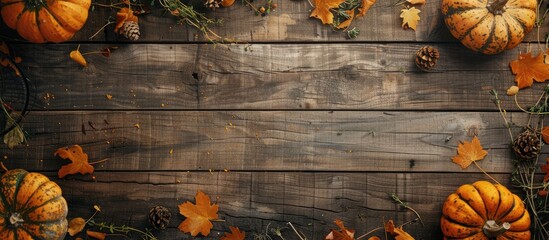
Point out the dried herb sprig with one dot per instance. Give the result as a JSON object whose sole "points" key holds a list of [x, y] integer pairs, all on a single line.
{"points": [[113, 229], [523, 174], [188, 15]]}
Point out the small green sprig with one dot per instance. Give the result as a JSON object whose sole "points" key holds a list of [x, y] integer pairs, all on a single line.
{"points": [[113, 229], [405, 205]]}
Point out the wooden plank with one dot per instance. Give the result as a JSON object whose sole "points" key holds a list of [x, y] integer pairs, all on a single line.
{"points": [[289, 23], [268, 76], [254, 201], [266, 140]]}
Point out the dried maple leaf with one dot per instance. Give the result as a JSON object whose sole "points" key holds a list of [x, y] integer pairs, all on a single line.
{"points": [[76, 225], [343, 234], [528, 69], [468, 152], [366, 5], [410, 17], [545, 169], [322, 10], [235, 234], [77, 56], [78, 158], [198, 216]]}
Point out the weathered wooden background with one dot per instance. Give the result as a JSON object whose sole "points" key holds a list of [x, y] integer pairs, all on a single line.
{"points": [[296, 124]]}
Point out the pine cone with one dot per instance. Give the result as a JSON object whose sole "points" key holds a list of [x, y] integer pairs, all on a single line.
{"points": [[130, 30], [527, 145], [159, 217], [426, 58], [212, 4]]}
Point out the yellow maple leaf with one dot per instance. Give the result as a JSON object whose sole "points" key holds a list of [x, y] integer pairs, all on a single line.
{"points": [[322, 10], [410, 17], [528, 69], [468, 152], [198, 215]]}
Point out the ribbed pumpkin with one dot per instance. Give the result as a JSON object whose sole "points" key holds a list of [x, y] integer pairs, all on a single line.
{"points": [[483, 211], [489, 26], [41, 21], [31, 207]]}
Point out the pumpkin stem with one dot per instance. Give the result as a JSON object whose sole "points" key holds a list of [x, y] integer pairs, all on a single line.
{"points": [[492, 229], [16, 219], [496, 6]]}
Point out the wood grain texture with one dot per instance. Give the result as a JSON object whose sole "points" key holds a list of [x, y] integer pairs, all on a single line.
{"points": [[289, 23], [254, 201], [266, 140], [268, 76]]}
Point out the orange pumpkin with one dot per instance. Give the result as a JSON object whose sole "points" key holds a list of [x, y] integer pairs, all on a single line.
{"points": [[483, 211], [41, 21], [31, 207], [489, 26]]}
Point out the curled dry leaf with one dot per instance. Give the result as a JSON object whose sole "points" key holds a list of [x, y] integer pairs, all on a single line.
{"points": [[198, 215], [78, 158], [389, 227], [512, 91], [414, 2], [468, 152], [545, 134], [402, 235], [76, 225], [4, 62], [235, 234], [410, 17], [96, 235], [366, 5], [342, 234], [77, 56], [16, 135], [322, 10], [123, 15], [528, 68]]}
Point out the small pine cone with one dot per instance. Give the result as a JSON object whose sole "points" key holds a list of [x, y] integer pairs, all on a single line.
{"points": [[527, 145], [159, 217], [130, 30], [426, 58], [212, 4]]}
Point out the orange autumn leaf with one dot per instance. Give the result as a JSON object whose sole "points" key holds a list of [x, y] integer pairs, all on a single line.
{"points": [[198, 216], [76, 56], [96, 235], [76, 225], [545, 134], [410, 17], [342, 234], [366, 5], [78, 158], [468, 152], [5, 62], [347, 22], [123, 15], [402, 235], [374, 238], [322, 10], [235, 234], [528, 68]]}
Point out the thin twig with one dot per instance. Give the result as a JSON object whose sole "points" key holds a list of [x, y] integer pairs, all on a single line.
{"points": [[4, 167], [101, 29], [485, 173], [369, 232], [403, 204], [99, 161], [295, 230]]}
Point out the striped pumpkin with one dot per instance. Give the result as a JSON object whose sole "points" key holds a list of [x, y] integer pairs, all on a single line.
{"points": [[489, 26], [31, 207], [40, 21]]}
